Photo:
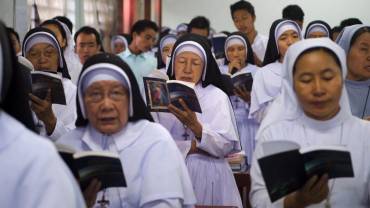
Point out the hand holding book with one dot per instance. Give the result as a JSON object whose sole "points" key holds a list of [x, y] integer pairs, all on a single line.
{"points": [[187, 117], [44, 111]]}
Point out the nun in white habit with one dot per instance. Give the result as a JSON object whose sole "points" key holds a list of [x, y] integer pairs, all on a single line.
{"points": [[113, 117], [206, 138], [318, 29], [42, 49], [267, 81], [118, 44], [239, 58], [355, 40], [32, 173], [313, 109], [165, 49]]}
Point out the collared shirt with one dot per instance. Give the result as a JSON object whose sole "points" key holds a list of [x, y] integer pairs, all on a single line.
{"points": [[141, 65]]}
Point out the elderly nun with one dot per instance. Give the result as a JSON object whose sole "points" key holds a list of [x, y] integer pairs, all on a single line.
{"points": [[206, 138], [113, 117], [41, 47]]}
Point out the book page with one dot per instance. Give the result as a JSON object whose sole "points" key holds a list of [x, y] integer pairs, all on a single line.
{"points": [[95, 153], [321, 147], [188, 84], [277, 146]]}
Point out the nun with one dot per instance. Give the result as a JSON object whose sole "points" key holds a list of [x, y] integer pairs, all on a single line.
{"points": [[119, 44], [318, 29], [267, 81], [239, 58], [113, 117], [32, 173], [65, 40], [165, 49], [206, 138], [355, 40], [181, 29], [313, 109], [42, 49]]}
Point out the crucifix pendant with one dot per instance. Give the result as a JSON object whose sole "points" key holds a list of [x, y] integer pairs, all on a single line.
{"points": [[103, 202], [185, 134]]}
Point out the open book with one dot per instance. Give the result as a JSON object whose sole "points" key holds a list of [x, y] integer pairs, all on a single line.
{"points": [[160, 93], [103, 166], [238, 80], [43, 81], [286, 167]]}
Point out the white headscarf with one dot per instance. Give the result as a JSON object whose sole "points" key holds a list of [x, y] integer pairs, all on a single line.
{"points": [[194, 47], [117, 39], [286, 106], [345, 37], [99, 72], [317, 28], [235, 40]]}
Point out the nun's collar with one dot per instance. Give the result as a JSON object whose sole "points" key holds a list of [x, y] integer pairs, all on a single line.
{"points": [[319, 125], [95, 140], [358, 84]]}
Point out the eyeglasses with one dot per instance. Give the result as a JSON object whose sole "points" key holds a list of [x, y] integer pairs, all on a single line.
{"points": [[48, 53], [95, 96]]}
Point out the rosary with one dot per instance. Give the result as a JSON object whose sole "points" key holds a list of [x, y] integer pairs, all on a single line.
{"points": [[185, 135], [103, 202]]}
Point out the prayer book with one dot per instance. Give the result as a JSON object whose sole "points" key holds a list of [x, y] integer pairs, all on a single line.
{"points": [[218, 45], [160, 93], [286, 167], [237, 161], [238, 80], [43, 81], [106, 167]]}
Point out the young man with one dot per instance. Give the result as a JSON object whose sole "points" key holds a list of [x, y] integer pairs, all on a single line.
{"points": [[144, 34], [88, 43], [199, 25], [244, 17], [295, 13]]}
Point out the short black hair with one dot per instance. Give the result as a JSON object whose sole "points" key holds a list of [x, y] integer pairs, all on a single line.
{"points": [[12, 31], [142, 25], [336, 29], [242, 5], [88, 30], [350, 21], [200, 22], [66, 21], [293, 12]]}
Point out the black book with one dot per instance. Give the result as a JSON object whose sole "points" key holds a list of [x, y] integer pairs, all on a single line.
{"points": [[43, 81], [286, 167], [160, 93], [238, 80], [218, 45], [88, 165]]}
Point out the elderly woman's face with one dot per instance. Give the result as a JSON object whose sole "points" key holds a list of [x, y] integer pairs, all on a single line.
{"points": [[43, 56], [358, 58], [166, 52], [318, 84], [107, 103], [188, 67]]}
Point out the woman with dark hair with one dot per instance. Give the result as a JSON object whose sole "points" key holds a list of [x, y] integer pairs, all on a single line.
{"points": [[113, 117], [32, 173], [267, 81], [318, 29], [239, 59], [313, 110], [42, 49], [206, 138], [355, 40]]}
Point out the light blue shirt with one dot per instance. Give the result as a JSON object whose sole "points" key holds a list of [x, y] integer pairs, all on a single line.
{"points": [[32, 173], [141, 65]]}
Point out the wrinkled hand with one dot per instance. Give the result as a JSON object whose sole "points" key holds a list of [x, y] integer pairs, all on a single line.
{"points": [[43, 111], [243, 93], [187, 117], [314, 191], [91, 192]]}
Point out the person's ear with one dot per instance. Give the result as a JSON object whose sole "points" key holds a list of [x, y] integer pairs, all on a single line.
{"points": [[254, 18]]}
